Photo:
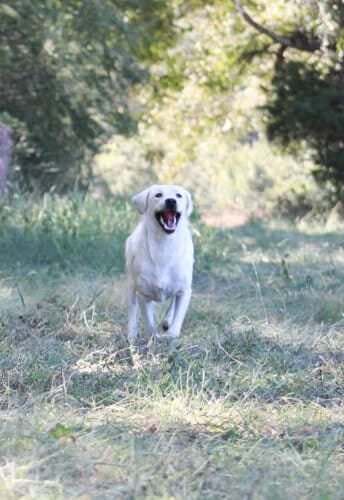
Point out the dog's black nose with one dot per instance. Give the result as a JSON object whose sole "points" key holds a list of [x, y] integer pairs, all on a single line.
{"points": [[170, 204]]}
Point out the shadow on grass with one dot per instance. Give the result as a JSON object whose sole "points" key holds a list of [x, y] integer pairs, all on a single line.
{"points": [[239, 367], [59, 253], [74, 234], [221, 250], [78, 238], [273, 370], [299, 271]]}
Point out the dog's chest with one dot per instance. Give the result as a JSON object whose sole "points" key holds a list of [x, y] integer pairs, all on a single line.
{"points": [[160, 283]]}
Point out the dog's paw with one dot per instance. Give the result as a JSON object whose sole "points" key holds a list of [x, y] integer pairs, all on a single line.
{"points": [[165, 325], [132, 339], [172, 332], [169, 335]]}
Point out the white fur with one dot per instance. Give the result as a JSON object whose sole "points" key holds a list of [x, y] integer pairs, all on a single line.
{"points": [[159, 265]]}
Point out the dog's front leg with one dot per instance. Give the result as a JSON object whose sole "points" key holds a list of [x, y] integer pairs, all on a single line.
{"points": [[132, 312], [169, 315], [146, 307], [180, 308]]}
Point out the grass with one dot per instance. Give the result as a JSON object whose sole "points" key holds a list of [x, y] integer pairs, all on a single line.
{"points": [[249, 404]]}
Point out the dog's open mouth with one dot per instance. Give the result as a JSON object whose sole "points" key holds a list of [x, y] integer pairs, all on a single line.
{"points": [[168, 220]]}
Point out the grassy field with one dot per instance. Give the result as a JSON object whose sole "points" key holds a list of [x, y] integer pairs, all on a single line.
{"points": [[249, 404]]}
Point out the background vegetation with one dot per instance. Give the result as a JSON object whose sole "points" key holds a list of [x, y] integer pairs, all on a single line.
{"points": [[243, 103], [193, 80], [66, 76]]}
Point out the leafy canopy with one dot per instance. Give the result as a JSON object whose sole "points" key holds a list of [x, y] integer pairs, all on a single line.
{"points": [[305, 92], [66, 73], [291, 52]]}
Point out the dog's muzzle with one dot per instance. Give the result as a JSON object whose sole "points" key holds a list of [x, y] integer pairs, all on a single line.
{"points": [[169, 217]]}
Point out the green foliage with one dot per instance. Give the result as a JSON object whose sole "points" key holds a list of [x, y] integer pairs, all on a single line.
{"points": [[66, 75], [225, 176], [60, 431], [65, 233], [75, 74], [310, 107], [305, 96], [278, 69]]}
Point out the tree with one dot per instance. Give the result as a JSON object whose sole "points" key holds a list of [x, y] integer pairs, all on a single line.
{"points": [[67, 70], [306, 91], [292, 52]]}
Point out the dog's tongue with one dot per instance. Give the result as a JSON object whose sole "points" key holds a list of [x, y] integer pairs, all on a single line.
{"points": [[169, 218]]}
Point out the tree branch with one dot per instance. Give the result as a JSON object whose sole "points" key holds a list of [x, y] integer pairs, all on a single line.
{"points": [[297, 41]]}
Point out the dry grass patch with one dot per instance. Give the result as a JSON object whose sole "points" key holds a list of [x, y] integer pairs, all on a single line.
{"points": [[249, 403]]}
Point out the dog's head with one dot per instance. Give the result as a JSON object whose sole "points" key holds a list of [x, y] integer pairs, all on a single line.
{"points": [[166, 204]]}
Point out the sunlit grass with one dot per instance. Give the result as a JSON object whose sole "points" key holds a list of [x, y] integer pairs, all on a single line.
{"points": [[249, 403]]}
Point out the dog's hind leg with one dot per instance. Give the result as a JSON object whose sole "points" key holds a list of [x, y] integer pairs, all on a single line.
{"points": [[146, 307], [169, 315], [132, 313]]}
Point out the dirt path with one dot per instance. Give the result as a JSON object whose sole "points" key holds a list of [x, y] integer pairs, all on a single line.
{"points": [[227, 219]]}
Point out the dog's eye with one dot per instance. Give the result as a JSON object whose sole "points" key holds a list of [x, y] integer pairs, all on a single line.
{"points": [[178, 195], [158, 195]]}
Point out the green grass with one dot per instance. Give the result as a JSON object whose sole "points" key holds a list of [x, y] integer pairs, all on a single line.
{"points": [[249, 404]]}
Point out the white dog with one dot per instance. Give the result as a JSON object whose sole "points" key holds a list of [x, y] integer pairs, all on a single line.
{"points": [[159, 259]]}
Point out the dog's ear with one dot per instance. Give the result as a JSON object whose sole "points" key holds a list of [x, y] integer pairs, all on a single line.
{"points": [[188, 202], [140, 200]]}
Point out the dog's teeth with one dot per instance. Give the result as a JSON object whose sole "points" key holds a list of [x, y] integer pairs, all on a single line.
{"points": [[168, 224]]}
